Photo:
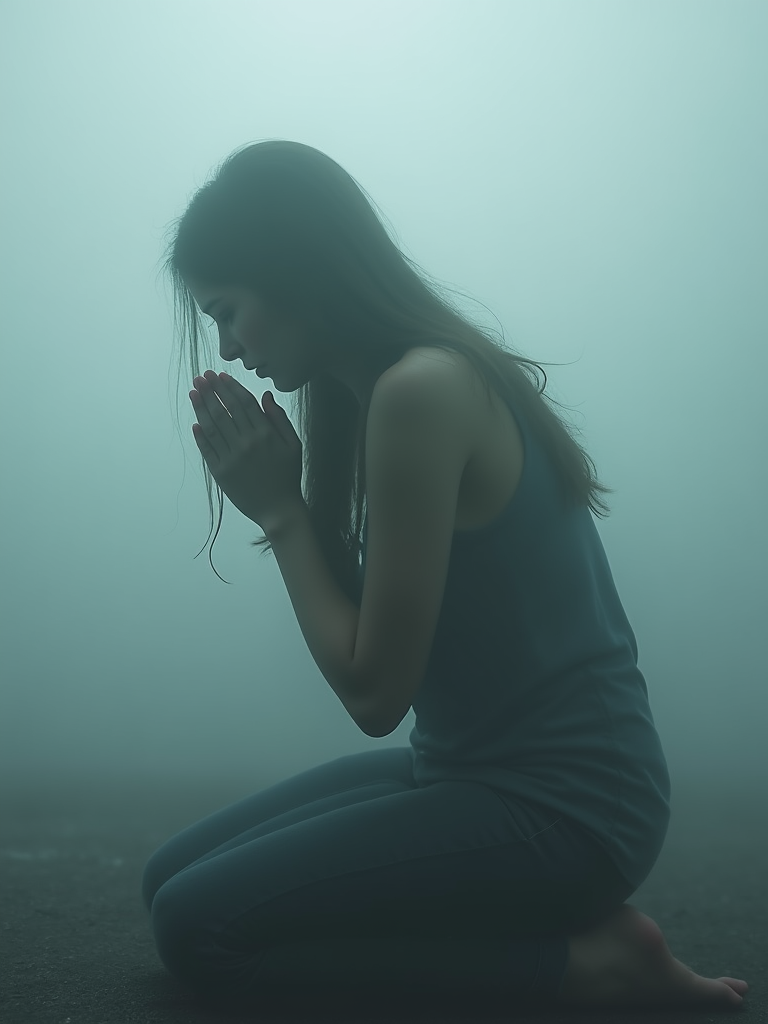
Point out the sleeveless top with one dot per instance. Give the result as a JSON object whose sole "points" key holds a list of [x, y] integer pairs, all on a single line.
{"points": [[532, 686]]}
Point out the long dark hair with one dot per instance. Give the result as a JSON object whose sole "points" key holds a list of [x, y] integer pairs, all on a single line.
{"points": [[287, 220]]}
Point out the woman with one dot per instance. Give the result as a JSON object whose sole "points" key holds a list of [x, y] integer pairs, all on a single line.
{"points": [[491, 857]]}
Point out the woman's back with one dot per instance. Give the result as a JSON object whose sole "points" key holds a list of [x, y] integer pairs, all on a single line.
{"points": [[532, 685]]}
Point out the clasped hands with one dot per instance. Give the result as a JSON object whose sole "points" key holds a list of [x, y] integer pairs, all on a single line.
{"points": [[253, 452]]}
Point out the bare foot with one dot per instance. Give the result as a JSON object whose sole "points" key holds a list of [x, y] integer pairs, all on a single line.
{"points": [[625, 961]]}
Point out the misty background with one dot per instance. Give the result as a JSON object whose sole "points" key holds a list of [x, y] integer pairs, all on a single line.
{"points": [[592, 171]]}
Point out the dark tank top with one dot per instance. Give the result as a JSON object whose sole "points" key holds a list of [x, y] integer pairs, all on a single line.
{"points": [[532, 686]]}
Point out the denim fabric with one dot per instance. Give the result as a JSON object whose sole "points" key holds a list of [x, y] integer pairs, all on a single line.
{"points": [[350, 880]]}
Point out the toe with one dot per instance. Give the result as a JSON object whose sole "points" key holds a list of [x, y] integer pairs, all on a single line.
{"points": [[736, 984]]}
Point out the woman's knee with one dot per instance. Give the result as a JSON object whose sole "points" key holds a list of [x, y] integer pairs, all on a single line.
{"points": [[174, 931], [156, 873], [192, 948]]}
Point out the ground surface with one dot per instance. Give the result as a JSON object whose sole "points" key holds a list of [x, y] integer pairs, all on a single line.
{"points": [[77, 947]]}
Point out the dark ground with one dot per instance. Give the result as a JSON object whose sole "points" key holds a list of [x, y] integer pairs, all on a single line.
{"points": [[77, 945]]}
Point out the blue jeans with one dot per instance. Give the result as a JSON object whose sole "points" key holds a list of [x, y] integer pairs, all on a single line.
{"points": [[351, 882]]}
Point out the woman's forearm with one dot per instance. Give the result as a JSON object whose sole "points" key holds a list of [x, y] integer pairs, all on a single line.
{"points": [[326, 616]]}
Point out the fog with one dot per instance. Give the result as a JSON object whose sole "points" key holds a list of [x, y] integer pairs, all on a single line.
{"points": [[592, 173]]}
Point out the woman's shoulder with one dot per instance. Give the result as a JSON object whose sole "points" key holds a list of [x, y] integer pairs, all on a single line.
{"points": [[494, 442], [439, 364], [448, 376], [428, 388]]}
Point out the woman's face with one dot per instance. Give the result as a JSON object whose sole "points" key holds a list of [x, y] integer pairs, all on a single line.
{"points": [[291, 350], [273, 345]]}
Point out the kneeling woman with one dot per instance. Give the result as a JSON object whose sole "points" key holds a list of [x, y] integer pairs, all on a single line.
{"points": [[491, 857]]}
